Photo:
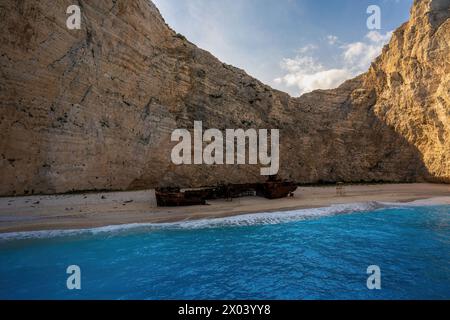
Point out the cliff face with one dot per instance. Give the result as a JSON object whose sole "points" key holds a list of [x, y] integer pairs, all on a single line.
{"points": [[412, 82], [94, 108]]}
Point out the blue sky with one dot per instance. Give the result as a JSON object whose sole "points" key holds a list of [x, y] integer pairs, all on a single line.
{"points": [[292, 45]]}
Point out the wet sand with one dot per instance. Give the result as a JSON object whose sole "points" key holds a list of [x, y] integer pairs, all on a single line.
{"points": [[91, 210]]}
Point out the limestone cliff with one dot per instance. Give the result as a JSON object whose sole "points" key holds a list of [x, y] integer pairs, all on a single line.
{"points": [[412, 82], [93, 109]]}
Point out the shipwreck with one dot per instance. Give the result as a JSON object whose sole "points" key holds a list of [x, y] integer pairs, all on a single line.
{"points": [[271, 189]]}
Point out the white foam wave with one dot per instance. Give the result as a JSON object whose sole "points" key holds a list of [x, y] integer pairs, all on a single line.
{"points": [[436, 201], [263, 218]]}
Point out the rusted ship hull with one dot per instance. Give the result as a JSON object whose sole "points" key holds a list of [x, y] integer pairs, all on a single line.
{"points": [[276, 190], [174, 197]]}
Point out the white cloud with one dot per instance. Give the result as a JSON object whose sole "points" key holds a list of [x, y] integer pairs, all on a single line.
{"points": [[306, 73], [375, 36], [307, 48], [361, 54], [332, 39]]}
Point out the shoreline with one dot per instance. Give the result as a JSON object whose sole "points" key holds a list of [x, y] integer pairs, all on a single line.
{"points": [[95, 210]]}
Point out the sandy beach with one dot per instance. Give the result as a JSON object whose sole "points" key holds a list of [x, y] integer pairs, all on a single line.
{"points": [[90, 210]]}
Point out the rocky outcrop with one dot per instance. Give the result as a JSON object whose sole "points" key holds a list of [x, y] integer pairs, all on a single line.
{"points": [[412, 83], [93, 109]]}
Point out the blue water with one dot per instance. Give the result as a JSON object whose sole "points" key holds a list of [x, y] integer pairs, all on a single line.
{"points": [[318, 257]]}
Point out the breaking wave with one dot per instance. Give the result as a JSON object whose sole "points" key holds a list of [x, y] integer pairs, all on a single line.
{"points": [[263, 218]]}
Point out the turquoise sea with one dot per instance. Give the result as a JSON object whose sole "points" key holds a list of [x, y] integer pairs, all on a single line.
{"points": [[304, 254]]}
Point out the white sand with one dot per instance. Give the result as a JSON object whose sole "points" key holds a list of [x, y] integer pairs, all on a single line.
{"points": [[101, 209]]}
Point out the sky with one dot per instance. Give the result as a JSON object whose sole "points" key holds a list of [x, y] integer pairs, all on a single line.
{"points": [[292, 45]]}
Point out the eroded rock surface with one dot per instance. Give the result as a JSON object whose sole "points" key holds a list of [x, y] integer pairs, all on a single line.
{"points": [[412, 82], [93, 109]]}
